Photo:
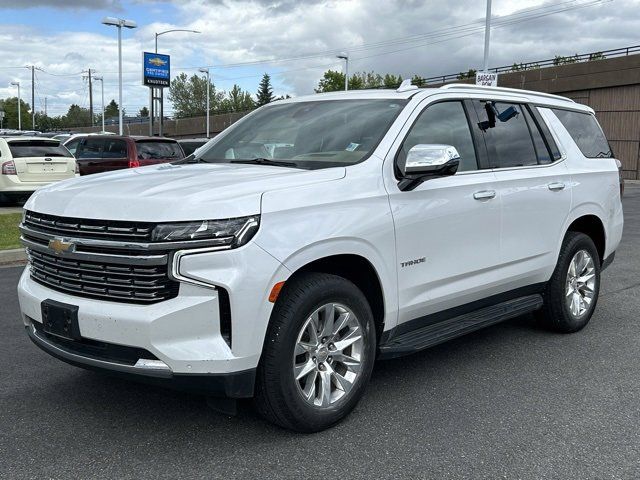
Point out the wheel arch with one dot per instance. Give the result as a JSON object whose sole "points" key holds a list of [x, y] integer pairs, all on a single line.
{"points": [[591, 225]]}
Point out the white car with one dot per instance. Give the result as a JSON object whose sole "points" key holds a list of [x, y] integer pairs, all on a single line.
{"points": [[28, 163], [383, 223]]}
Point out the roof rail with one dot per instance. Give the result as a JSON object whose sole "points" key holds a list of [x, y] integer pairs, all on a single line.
{"points": [[466, 86]]}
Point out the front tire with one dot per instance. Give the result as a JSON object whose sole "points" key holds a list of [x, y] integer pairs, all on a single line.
{"points": [[318, 354], [572, 293]]}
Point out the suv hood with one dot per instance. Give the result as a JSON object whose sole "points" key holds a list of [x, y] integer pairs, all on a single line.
{"points": [[172, 192]]}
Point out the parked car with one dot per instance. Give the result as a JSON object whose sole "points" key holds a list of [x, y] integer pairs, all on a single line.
{"points": [[29, 163], [379, 224], [73, 141], [190, 145], [104, 153]]}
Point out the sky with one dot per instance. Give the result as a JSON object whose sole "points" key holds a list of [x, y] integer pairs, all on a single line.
{"points": [[293, 41]]}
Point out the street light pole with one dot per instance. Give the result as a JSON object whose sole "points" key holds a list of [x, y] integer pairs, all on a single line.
{"points": [[99, 79], [206, 71], [151, 96], [19, 102], [487, 36], [119, 23], [345, 56]]}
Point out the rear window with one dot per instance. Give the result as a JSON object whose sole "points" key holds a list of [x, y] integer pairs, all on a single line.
{"points": [[586, 132], [37, 148], [158, 150]]}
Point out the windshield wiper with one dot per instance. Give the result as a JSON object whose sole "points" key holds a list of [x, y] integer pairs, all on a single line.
{"points": [[190, 159], [266, 161]]}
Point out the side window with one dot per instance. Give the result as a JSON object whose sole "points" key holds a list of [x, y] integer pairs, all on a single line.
{"points": [[586, 132], [90, 148], [442, 123], [72, 146], [115, 148], [507, 134]]}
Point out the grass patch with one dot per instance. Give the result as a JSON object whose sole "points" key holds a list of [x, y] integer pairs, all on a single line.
{"points": [[9, 233]]}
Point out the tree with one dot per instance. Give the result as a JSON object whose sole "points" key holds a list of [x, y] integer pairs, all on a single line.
{"points": [[144, 112], [10, 108], [111, 110], [331, 81], [188, 95], [238, 100], [471, 73], [77, 117], [265, 91]]}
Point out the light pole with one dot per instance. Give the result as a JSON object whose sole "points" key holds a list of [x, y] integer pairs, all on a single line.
{"points": [[152, 99], [345, 56], [17, 84], [101, 80], [206, 70], [119, 23], [487, 35]]}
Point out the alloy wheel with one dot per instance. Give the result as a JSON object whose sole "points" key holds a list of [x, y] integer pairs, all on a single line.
{"points": [[581, 283]]}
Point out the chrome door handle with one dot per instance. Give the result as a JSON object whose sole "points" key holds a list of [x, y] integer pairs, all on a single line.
{"points": [[484, 195], [556, 186]]}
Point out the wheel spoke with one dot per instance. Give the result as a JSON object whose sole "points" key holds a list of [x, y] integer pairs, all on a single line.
{"points": [[325, 388], [349, 339], [329, 317], [314, 328], [341, 322], [309, 390], [342, 383], [301, 371], [303, 347], [351, 363]]}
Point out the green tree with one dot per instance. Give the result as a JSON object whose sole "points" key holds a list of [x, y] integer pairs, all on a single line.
{"points": [[188, 95], [238, 100], [111, 110], [471, 73], [392, 81], [144, 112], [77, 117], [331, 81], [10, 108], [265, 91]]}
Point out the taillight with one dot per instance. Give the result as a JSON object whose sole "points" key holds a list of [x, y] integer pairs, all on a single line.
{"points": [[9, 168], [134, 163]]}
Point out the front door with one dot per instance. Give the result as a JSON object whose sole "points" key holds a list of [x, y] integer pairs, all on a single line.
{"points": [[447, 229]]}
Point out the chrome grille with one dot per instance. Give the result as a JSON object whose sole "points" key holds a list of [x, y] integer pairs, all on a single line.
{"points": [[116, 282], [89, 228]]}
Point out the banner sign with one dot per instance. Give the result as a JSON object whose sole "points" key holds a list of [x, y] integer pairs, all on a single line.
{"points": [[487, 79], [156, 70]]}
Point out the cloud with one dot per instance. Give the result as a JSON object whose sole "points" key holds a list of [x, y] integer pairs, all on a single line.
{"points": [[312, 31], [66, 4]]}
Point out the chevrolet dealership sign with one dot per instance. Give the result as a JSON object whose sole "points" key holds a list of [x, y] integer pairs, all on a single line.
{"points": [[156, 70]]}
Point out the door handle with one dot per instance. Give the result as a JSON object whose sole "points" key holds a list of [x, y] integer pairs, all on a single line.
{"points": [[484, 195], [555, 186]]}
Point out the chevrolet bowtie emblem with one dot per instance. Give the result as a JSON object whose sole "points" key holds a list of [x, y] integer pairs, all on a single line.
{"points": [[60, 245]]}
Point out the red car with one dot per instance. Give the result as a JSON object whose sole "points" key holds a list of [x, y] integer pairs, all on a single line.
{"points": [[104, 153]]}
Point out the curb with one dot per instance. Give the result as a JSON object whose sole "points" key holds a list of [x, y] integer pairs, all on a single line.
{"points": [[16, 256]]}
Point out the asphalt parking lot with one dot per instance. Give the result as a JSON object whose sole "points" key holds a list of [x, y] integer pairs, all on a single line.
{"points": [[512, 401]]}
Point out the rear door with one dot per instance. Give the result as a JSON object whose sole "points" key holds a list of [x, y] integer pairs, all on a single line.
{"points": [[534, 186], [41, 160], [89, 155], [150, 152]]}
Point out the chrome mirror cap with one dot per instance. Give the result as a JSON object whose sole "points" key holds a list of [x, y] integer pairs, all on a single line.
{"points": [[424, 158]]}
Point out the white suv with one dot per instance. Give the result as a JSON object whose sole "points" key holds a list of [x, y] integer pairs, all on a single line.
{"points": [[381, 223], [28, 163]]}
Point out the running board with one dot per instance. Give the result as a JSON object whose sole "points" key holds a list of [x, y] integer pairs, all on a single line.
{"points": [[430, 335]]}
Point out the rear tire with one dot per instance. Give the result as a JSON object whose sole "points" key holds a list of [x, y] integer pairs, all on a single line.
{"points": [[572, 293], [318, 354]]}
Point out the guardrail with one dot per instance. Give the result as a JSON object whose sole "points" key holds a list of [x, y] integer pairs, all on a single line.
{"points": [[551, 62]]}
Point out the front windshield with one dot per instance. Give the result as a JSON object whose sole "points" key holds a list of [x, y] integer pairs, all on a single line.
{"points": [[311, 135]]}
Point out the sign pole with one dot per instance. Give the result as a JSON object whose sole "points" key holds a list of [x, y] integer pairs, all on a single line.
{"points": [[487, 37]]}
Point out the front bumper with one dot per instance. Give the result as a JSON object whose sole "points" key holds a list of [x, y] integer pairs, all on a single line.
{"points": [[232, 385]]}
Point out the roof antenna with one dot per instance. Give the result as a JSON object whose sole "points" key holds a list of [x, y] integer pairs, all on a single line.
{"points": [[406, 85]]}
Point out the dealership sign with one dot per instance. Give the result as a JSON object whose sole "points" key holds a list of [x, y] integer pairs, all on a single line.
{"points": [[487, 79], [156, 70]]}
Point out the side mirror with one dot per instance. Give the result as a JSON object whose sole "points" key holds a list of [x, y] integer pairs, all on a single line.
{"points": [[428, 161]]}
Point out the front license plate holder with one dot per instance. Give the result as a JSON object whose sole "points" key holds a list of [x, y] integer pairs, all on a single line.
{"points": [[60, 319]]}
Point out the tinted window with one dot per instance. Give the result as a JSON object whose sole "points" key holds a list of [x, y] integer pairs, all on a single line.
{"points": [[442, 123], [508, 141], [115, 148], [37, 148], [72, 145], [190, 147], [542, 151], [90, 148], [586, 132], [158, 150]]}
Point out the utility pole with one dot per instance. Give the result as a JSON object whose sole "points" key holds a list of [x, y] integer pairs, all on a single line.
{"points": [[487, 36], [206, 71], [90, 99], [17, 84], [45, 106], [33, 97], [101, 80]]}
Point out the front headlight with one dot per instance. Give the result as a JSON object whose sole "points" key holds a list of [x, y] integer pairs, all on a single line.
{"points": [[233, 232]]}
